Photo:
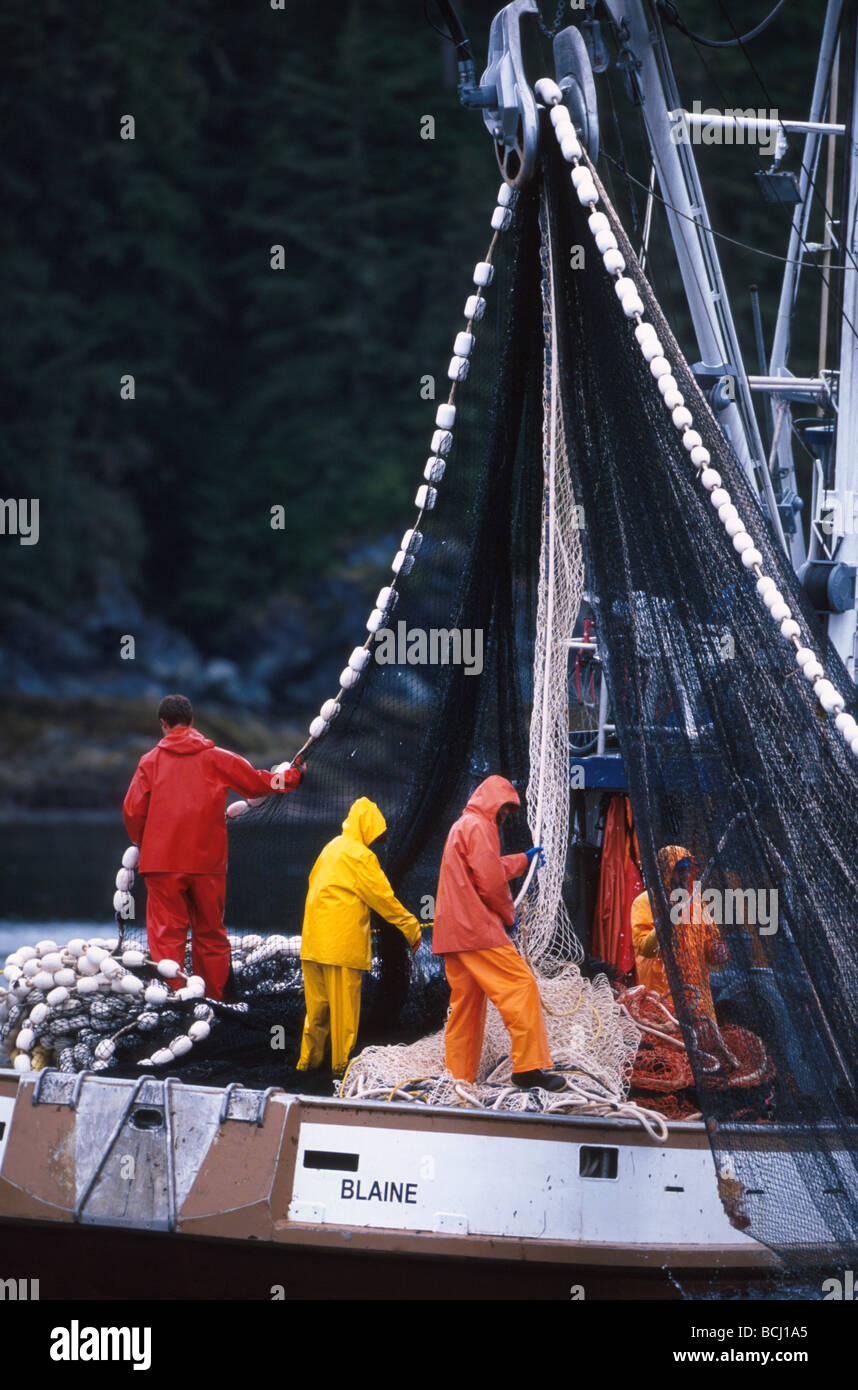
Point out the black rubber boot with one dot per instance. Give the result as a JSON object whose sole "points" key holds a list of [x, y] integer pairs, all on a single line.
{"points": [[529, 1080]]}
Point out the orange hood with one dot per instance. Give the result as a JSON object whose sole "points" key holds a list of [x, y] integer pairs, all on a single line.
{"points": [[491, 795]]}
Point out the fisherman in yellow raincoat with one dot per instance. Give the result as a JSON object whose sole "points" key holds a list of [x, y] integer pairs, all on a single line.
{"points": [[345, 882]]}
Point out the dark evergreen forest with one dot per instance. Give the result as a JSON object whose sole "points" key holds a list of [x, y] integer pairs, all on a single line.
{"points": [[257, 127]]}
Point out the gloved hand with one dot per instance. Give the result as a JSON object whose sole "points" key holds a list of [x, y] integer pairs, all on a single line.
{"points": [[537, 849], [649, 945]]}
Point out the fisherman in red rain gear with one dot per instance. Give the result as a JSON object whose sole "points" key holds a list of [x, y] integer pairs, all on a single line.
{"points": [[474, 910], [174, 810]]}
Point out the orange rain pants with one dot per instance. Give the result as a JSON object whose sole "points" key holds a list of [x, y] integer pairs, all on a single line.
{"points": [[501, 975]]}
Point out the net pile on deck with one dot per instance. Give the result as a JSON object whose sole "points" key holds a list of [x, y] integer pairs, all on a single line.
{"points": [[101, 1005]]}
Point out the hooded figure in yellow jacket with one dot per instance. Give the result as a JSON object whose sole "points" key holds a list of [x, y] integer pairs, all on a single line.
{"points": [[345, 882]]}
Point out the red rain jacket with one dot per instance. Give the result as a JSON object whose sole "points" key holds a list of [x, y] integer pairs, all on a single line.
{"points": [[474, 903], [174, 808]]}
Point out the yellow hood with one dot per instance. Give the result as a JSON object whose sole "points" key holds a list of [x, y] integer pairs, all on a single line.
{"points": [[364, 821]]}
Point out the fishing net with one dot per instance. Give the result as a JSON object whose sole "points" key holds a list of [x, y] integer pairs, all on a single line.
{"points": [[733, 766]]}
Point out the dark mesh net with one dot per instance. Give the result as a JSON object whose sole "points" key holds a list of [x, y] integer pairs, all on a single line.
{"points": [[727, 756]]}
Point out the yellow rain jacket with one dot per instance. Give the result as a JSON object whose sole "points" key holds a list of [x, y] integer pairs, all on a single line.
{"points": [[345, 882]]}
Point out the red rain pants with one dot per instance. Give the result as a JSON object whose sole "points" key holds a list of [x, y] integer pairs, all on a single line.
{"points": [[177, 902]]}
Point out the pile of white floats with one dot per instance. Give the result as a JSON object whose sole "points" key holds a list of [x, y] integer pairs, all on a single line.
{"points": [[84, 1005]]}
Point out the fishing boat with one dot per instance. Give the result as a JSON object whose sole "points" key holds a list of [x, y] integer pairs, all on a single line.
{"points": [[730, 746]]}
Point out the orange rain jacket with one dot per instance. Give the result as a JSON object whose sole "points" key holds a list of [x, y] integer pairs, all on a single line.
{"points": [[695, 940], [174, 808], [474, 903], [345, 882]]}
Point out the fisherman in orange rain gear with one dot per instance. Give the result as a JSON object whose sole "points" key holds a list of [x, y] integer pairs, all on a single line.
{"points": [[345, 882], [174, 810], [697, 947], [474, 910]]}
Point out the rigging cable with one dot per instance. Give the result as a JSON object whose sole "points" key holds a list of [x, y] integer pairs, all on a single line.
{"points": [[671, 14]]}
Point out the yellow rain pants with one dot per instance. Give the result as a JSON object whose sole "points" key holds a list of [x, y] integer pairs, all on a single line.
{"points": [[332, 994]]}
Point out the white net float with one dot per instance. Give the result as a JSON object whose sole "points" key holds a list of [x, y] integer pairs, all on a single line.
{"points": [[87, 985], [121, 901], [659, 366], [434, 470], [330, 709], [501, 218], [105, 1049], [96, 954], [57, 996], [39, 1013], [387, 599], [411, 542], [65, 977], [168, 969], [21, 1062], [198, 1030], [681, 417], [425, 498], [442, 442], [162, 1058], [475, 308], [319, 727], [484, 273], [360, 658], [31, 968], [197, 985], [606, 241], [402, 563], [376, 620], [570, 146], [548, 92], [691, 440], [132, 959], [25, 1039], [111, 967], [458, 368], [348, 678], [76, 948], [445, 415], [463, 344], [179, 1046], [598, 222], [124, 878], [507, 196], [25, 953], [131, 857], [42, 981]]}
